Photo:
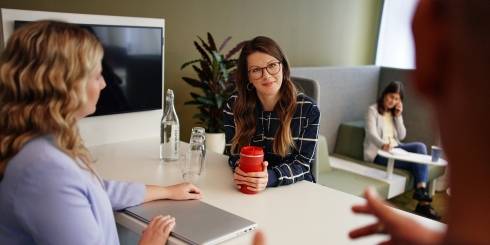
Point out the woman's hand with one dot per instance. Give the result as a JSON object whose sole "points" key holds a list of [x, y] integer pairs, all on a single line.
{"points": [[398, 109], [259, 238], [255, 181], [157, 231], [400, 228], [183, 191], [386, 147]]}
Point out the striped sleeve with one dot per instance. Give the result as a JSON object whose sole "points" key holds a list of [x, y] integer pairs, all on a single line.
{"points": [[297, 165], [229, 123]]}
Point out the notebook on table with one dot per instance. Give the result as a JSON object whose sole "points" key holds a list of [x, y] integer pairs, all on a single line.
{"points": [[196, 222]]}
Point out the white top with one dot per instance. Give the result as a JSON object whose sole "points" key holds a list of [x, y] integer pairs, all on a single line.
{"points": [[303, 213], [373, 141], [389, 130]]}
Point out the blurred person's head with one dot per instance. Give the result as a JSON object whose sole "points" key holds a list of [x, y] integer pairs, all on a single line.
{"points": [[452, 41], [452, 44], [49, 79]]}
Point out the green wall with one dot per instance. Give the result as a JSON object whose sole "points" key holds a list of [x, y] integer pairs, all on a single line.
{"points": [[311, 32]]}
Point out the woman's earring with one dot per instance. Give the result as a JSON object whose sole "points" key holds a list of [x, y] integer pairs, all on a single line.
{"points": [[249, 88]]}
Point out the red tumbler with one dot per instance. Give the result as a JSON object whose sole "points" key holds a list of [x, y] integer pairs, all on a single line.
{"points": [[251, 158]]}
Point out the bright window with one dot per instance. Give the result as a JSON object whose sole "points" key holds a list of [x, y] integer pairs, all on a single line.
{"points": [[395, 43]]}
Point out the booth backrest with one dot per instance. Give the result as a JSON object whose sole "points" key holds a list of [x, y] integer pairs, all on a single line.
{"points": [[350, 139], [345, 94]]}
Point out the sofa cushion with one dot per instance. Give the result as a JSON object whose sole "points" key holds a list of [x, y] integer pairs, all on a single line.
{"points": [[342, 180], [352, 183], [350, 140]]}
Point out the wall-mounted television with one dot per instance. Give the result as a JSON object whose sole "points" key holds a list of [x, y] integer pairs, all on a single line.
{"points": [[130, 106], [132, 65]]}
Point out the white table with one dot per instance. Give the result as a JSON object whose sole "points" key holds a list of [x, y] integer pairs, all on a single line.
{"points": [[302, 213], [408, 157]]}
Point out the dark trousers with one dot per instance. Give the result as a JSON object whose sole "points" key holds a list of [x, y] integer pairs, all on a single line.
{"points": [[419, 171]]}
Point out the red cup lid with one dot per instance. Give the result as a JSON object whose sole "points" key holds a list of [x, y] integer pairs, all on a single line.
{"points": [[252, 151]]}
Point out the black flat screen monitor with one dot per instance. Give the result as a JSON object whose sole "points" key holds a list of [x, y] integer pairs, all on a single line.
{"points": [[132, 67]]}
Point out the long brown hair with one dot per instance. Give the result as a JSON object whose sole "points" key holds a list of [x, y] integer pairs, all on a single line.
{"points": [[43, 77], [393, 87], [245, 106]]}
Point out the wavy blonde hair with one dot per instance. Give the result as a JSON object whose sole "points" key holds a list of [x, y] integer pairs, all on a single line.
{"points": [[44, 71], [245, 106]]}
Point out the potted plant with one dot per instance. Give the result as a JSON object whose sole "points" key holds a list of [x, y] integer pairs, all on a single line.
{"points": [[216, 79]]}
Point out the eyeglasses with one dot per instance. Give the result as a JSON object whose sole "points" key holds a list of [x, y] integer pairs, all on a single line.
{"points": [[258, 72]]}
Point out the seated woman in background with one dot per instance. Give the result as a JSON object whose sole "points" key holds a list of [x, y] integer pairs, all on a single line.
{"points": [[385, 130], [267, 111], [50, 77]]}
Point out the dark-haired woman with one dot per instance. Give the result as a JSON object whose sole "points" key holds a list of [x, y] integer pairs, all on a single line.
{"points": [[385, 130], [267, 111]]}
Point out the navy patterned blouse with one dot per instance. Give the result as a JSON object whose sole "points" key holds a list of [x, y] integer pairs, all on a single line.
{"points": [[296, 165]]}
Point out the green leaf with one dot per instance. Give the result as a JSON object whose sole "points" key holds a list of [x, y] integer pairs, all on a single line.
{"points": [[205, 45], [198, 71], [218, 57], [189, 63], [207, 73], [194, 95], [204, 109], [231, 64], [222, 74], [192, 102], [219, 101], [222, 46], [211, 42], [216, 73], [203, 76], [203, 53], [195, 83], [205, 100]]}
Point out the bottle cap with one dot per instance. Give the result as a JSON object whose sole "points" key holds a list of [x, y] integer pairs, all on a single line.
{"points": [[252, 151]]}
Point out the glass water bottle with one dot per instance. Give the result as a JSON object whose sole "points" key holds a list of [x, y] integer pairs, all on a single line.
{"points": [[169, 131]]}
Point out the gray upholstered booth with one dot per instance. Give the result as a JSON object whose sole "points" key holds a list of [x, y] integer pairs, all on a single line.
{"points": [[346, 93]]}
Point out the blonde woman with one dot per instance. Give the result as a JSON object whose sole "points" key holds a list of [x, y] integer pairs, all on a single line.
{"points": [[267, 111], [50, 77]]}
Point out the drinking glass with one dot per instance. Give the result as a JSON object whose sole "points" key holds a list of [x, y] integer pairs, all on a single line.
{"points": [[198, 135], [193, 164]]}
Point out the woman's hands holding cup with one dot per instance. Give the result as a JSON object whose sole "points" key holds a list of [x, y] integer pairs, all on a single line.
{"points": [[255, 181]]}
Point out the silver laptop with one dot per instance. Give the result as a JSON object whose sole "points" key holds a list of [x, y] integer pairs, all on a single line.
{"points": [[196, 222]]}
